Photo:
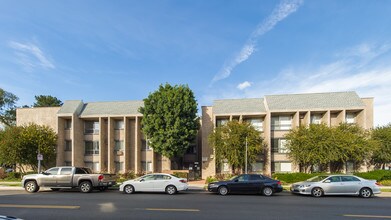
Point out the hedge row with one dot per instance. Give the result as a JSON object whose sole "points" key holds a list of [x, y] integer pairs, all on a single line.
{"points": [[378, 175]]}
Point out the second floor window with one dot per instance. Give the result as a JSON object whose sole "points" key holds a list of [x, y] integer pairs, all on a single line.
{"points": [[68, 124], [316, 119], [91, 147], [119, 145], [350, 118], [257, 123], [91, 127], [119, 124], [68, 145], [279, 145], [145, 146], [221, 122], [281, 123]]}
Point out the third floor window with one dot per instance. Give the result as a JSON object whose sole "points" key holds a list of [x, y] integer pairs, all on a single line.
{"points": [[281, 123], [91, 127]]}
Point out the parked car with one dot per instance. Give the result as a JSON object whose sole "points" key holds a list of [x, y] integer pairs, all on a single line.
{"points": [[336, 185], [156, 182], [58, 178], [247, 183]]}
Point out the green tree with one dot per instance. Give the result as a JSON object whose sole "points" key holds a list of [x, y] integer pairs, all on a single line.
{"points": [[46, 101], [382, 155], [170, 119], [19, 145], [7, 107], [229, 142]]}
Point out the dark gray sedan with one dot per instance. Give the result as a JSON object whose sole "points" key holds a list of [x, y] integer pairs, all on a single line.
{"points": [[336, 185]]}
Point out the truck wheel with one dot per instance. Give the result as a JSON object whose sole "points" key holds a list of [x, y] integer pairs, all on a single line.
{"points": [[85, 187], [31, 186]]}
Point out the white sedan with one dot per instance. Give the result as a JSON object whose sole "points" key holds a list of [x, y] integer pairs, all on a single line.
{"points": [[156, 182]]}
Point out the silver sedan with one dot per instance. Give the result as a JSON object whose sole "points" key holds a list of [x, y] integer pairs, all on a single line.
{"points": [[336, 185]]}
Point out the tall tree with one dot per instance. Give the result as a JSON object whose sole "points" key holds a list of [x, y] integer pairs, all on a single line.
{"points": [[229, 143], [46, 101], [170, 119], [19, 145], [7, 107], [382, 155]]}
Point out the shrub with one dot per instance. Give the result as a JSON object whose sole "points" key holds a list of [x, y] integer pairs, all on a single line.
{"points": [[386, 182], [378, 175], [13, 176], [210, 179], [288, 178], [181, 175]]}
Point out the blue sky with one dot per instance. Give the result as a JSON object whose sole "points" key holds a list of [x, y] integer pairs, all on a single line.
{"points": [[123, 50]]}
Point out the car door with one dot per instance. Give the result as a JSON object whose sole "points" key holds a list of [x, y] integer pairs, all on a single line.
{"points": [[64, 178], [160, 183], [146, 183], [256, 184], [350, 184], [240, 184], [48, 177], [332, 185]]}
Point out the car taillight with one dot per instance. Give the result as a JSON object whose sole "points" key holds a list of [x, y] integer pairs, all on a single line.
{"points": [[182, 181], [279, 183], [100, 178], [378, 184]]}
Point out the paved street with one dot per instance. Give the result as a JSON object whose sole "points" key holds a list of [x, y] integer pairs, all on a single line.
{"points": [[187, 205]]}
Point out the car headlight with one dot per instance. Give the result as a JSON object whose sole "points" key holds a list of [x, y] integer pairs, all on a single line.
{"points": [[303, 186], [212, 185]]}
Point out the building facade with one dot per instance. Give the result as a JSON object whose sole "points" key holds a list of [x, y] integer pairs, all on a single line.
{"points": [[274, 116], [107, 136]]}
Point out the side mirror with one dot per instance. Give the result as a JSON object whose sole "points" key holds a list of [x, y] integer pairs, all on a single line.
{"points": [[327, 181], [236, 180], [142, 180], [44, 173]]}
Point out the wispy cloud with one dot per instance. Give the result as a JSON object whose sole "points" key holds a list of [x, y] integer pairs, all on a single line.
{"points": [[244, 85], [366, 71], [30, 55], [280, 12]]}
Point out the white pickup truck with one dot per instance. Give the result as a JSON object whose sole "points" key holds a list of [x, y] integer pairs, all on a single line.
{"points": [[68, 177]]}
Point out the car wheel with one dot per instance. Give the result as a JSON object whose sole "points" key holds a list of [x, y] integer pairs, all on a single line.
{"points": [[365, 192], [128, 189], [317, 192], [223, 190], [171, 190], [55, 189], [31, 186], [85, 187], [267, 191]]}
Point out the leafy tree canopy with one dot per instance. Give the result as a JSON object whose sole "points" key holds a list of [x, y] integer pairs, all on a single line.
{"points": [[7, 107], [382, 155], [229, 143], [19, 145], [170, 119], [46, 101]]}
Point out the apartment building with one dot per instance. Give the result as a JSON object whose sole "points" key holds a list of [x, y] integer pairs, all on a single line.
{"points": [[273, 116], [105, 136]]}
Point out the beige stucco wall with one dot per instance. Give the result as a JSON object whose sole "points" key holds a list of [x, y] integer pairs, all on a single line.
{"points": [[39, 115], [208, 164]]}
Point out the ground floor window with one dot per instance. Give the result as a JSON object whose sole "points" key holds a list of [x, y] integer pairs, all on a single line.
{"points": [[146, 166], [282, 167], [257, 167], [119, 166], [68, 163], [94, 166]]}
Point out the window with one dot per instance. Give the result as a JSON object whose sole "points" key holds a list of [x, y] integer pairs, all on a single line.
{"points": [[145, 146], [52, 171], [68, 124], [68, 163], [243, 178], [282, 167], [91, 127], [221, 122], [257, 123], [349, 179], [91, 147], [80, 170], [316, 119], [279, 146], [281, 123], [257, 167], [68, 145], [350, 118], [334, 179], [256, 177], [119, 166], [66, 171], [226, 167], [119, 124], [94, 166], [119, 145], [146, 166]]}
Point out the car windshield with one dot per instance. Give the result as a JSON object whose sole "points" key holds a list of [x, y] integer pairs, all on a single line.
{"points": [[232, 178], [317, 178]]}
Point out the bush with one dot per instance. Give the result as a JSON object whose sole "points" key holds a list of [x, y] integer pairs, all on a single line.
{"points": [[378, 175], [219, 177], [181, 175], [288, 178], [13, 176], [386, 182], [210, 179]]}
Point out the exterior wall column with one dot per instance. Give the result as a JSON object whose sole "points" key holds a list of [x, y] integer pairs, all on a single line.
{"points": [[103, 145], [127, 153], [60, 158], [137, 157], [77, 141], [267, 163], [296, 120], [110, 145], [208, 160]]}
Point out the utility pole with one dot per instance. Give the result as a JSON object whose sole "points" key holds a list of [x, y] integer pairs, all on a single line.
{"points": [[245, 166], [146, 149]]}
